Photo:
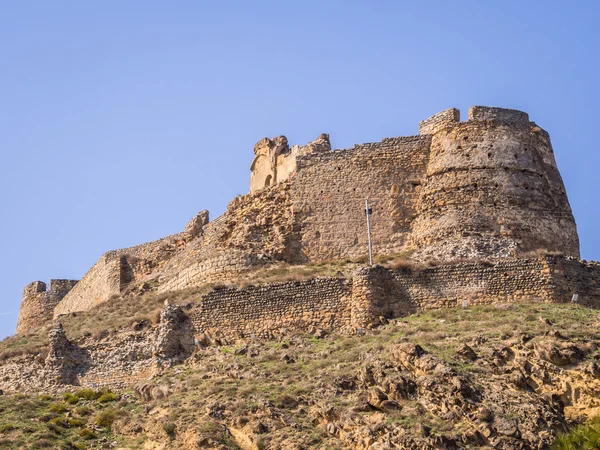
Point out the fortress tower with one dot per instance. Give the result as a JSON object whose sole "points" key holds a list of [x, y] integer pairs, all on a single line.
{"points": [[37, 306], [491, 189]]}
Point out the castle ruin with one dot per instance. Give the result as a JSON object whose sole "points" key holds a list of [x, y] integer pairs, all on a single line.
{"points": [[486, 190]]}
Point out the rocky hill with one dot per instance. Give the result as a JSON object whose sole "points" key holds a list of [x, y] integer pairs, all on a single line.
{"points": [[503, 376]]}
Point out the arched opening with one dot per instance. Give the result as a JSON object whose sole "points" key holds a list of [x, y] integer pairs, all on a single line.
{"points": [[268, 180]]}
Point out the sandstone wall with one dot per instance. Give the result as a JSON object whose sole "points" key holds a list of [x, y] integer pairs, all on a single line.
{"points": [[116, 271], [505, 281], [492, 189], [373, 295], [571, 276], [484, 188], [329, 190], [38, 303], [264, 311]]}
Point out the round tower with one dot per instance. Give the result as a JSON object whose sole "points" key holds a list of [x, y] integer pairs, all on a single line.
{"points": [[491, 190]]}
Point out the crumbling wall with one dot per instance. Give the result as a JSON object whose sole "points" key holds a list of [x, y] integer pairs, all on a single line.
{"points": [[475, 283], [571, 276], [38, 303], [119, 269], [492, 190], [485, 188]]}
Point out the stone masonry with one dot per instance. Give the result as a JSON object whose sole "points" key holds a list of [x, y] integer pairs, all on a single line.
{"points": [[351, 305], [485, 188]]}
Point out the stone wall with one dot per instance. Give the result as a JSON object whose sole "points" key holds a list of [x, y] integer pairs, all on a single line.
{"points": [[117, 270], [329, 190], [486, 188], [372, 296], [38, 303], [475, 283], [264, 311], [571, 276], [492, 190]]}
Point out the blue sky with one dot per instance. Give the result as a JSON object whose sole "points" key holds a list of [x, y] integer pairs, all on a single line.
{"points": [[120, 120]]}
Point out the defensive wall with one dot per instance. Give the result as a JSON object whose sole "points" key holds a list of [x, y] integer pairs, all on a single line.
{"points": [[484, 188], [348, 305]]}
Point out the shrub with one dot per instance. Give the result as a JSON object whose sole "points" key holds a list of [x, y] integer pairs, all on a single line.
{"points": [[6, 427], [58, 408], [74, 422], [586, 436], [88, 394], [170, 428], [58, 422], [108, 397], [105, 418], [86, 433], [83, 411], [70, 398]]}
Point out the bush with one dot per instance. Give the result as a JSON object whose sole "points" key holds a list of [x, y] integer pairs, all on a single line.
{"points": [[70, 398], [58, 408], [83, 411], [58, 422], [88, 394], [108, 397], [170, 429], [105, 418], [582, 437], [6, 427], [74, 422], [87, 434]]}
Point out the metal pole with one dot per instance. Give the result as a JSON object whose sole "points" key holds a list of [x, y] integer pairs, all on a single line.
{"points": [[369, 211]]}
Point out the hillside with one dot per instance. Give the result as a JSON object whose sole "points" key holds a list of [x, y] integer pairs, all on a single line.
{"points": [[504, 376]]}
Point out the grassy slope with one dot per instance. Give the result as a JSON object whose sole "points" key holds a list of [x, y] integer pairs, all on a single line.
{"points": [[296, 377]]}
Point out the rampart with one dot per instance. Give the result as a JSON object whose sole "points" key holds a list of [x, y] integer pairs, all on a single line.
{"points": [[347, 305], [486, 188]]}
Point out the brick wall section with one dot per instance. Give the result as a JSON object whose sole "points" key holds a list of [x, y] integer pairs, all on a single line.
{"points": [[38, 303], [264, 310]]}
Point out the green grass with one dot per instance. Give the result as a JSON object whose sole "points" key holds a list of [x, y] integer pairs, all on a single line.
{"points": [[32, 422], [582, 437]]}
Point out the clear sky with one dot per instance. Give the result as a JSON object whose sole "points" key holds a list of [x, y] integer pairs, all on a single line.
{"points": [[119, 120]]}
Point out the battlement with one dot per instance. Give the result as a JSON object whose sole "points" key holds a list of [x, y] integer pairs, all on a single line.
{"points": [[498, 115], [445, 119]]}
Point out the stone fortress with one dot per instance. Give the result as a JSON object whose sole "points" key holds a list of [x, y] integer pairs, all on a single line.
{"points": [[481, 200]]}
